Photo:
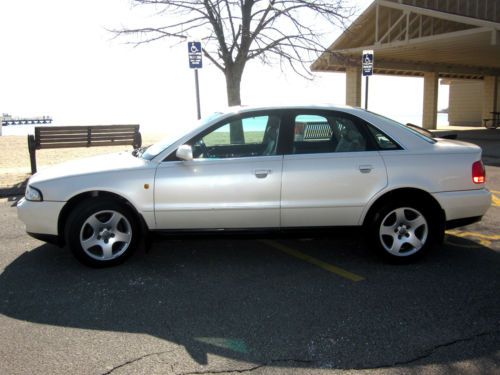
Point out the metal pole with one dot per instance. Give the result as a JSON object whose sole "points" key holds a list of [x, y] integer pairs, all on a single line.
{"points": [[366, 93], [198, 107]]}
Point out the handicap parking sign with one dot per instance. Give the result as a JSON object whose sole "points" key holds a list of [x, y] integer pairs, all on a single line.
{"points": [[195, 55], [367, 63]]}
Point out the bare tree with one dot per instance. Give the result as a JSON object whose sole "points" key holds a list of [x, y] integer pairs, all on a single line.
{"points": [[236, 31]]}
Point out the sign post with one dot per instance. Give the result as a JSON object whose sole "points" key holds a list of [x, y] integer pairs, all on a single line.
{"points": [[196, 62], [367, 67]]}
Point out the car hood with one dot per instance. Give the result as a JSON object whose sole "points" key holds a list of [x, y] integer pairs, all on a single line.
{"points": [[95, 164]]}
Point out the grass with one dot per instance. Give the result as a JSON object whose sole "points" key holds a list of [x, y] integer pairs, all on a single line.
{"points": [[222, 138]]}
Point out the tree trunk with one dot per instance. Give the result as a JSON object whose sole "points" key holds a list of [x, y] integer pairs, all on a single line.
{"points": [[233, 84]]}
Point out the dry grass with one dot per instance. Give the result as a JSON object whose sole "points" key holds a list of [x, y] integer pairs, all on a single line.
{"points": [[15, 161]]}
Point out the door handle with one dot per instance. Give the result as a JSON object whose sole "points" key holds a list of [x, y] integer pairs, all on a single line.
{"points": [[262, 173], [366, 168]]}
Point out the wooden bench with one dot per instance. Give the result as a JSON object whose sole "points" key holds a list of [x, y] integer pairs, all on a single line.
{"points": [[81, 136], [491, 123]]}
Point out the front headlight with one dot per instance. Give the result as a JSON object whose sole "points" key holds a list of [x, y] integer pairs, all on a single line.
{"points": [[33, 194]]}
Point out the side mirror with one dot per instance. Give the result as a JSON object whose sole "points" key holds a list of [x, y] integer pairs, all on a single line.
{"points": [[185, 152]]}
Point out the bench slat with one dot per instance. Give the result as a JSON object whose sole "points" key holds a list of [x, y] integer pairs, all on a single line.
{"points": [[85, 127], [65, 131], [46, 139], [84, 133]]}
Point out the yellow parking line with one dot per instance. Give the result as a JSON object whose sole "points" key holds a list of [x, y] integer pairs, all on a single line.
{"points": [[495, 200], [326, 266], [484, 239], [491, 237]]}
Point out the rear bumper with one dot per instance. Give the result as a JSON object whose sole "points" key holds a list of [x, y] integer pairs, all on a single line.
{"points": [[466, 204]]}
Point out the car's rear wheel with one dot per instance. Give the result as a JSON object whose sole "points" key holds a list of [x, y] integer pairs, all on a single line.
{"points": [[102, 233], [403, 231]]}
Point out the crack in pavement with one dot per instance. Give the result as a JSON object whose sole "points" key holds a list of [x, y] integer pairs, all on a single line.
{"points": [[249, 369], [427, 353], [135, 360]]}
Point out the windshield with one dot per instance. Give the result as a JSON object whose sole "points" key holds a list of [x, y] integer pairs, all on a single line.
{"points": [[152, 151]]}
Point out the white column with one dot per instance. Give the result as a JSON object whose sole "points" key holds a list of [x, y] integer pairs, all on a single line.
{"points": [[490, 87], [429, 117], [353, 86], [465, 106]]}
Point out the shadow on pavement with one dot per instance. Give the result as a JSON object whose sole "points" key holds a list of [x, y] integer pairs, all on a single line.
{"points": [[14, 190], [241, 300]]}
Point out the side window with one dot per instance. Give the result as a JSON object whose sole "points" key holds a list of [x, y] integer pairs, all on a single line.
{"points": [[315, 134], [383, 141], [250, 136]]}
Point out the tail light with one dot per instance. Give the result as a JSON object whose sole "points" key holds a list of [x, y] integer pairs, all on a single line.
{"points": [[478, 173]]}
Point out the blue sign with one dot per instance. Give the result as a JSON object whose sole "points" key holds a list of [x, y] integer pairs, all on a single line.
{"points": [[367, 63], [195, 55]]}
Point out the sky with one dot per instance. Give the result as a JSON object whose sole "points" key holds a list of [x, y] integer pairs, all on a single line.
{"points": [[59, 59]]}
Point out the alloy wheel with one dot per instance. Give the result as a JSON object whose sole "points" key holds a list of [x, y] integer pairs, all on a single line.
{"points": [[403, 231], [105, 235]]}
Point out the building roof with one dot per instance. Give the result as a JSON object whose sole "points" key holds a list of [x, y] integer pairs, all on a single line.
{"points": [[455, 38]]}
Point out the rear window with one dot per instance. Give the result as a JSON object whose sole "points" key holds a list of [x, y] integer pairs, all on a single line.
{"points": [[420, 130], [421, 133]]}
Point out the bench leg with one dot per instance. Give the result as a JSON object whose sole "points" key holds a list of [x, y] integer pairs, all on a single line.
{"points": [[137, 140], [32, 151]]}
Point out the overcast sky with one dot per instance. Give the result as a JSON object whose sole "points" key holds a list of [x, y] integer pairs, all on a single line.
{"points": [[58, 59]]}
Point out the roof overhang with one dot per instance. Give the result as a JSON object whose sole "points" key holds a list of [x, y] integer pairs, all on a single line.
{"points": [[411, 40]]}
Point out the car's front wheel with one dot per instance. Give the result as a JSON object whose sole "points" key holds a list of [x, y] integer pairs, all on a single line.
{"points": [[102, 233], [403, 231]]}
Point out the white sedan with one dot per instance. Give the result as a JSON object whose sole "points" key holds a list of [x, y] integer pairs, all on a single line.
{"points": [[267, 168]]}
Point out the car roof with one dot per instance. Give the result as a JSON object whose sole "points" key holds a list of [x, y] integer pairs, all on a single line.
{"points": [[324, 106]]}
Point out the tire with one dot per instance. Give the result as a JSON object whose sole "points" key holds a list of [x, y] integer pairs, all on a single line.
{"points": [[404, 231], [102, 232]]}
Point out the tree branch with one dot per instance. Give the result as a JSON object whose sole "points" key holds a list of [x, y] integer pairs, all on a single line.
{"points": [[237, 31]]}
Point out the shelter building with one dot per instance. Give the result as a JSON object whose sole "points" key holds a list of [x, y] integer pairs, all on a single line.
{"points": [[455, 40]]}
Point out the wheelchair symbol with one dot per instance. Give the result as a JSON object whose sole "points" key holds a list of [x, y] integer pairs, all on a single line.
{"points": [[194, 49]]}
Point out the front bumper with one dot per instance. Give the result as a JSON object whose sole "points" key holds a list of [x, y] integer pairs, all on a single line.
{"points": [[40, 218], [464, 204]]}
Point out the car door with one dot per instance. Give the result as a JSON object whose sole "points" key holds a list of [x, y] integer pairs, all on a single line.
{"points": [[330, 171], [233, 181]]}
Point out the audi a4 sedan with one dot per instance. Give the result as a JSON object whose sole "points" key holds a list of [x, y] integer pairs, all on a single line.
{"points": [[265, 169]]}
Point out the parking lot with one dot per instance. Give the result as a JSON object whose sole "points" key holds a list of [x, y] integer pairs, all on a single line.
{"points": [[257, 305]]}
